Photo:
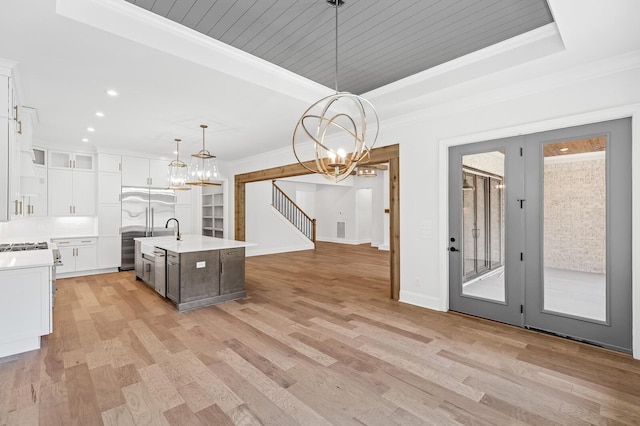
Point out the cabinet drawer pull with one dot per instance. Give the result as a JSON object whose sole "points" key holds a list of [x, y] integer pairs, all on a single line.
{"points": [[85, 241]]}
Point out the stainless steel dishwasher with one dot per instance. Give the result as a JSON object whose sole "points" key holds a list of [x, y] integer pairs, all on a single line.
{"points": [[160, 267]]}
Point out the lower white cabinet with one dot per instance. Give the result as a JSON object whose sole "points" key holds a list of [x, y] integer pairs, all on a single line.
{"points": [[25, 308], [78, 254], [109, 252]]}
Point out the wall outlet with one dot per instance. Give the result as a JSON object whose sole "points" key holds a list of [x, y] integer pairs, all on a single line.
{"points": [[202, 264]]}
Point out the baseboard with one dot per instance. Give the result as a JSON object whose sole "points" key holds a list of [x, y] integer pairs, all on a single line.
{"points": [[85, 273], [417, 299], [340, 241], [278, 250]]}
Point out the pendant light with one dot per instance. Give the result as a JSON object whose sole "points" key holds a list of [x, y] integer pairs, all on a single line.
{"points": [[178, 172], [366, 171], [203, 169], [337, 127]]}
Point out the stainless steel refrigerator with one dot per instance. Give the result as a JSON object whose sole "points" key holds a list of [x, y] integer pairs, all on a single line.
{"points": [[145, 212]]}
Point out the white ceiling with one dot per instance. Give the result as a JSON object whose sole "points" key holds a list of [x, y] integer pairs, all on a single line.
{"points": [[171, 79]]}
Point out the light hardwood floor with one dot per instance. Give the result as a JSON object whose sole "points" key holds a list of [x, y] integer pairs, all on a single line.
{"points": [[316, 342]]}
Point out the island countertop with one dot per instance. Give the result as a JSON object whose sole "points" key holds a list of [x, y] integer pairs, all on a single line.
{"points": [[192, 243]]}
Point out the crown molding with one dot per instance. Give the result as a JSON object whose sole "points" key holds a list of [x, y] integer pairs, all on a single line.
{"points": [[479, 95]]}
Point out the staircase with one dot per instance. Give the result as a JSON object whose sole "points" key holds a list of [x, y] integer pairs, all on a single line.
{"points": [[290, 210]]}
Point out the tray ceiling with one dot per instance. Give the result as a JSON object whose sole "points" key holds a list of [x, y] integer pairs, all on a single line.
{"points": [[379, 42]]}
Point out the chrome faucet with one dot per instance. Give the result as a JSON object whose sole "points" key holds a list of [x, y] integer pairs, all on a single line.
{"points": [[179, 237]]}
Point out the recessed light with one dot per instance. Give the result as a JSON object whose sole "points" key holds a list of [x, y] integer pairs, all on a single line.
{"points": [[564, 149], [85, 140], [175, 152], [99, 114], [90, 129], [112, 92]]}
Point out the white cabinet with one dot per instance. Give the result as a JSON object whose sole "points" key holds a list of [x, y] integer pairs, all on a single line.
{"points": [[5, 199], [15, 196], [78, 254], [109, 222], [25, 309], [158, 173], [138, 171], [72, 192], [109, 211], [109, 252], [109, 188], [109, 163], [36, 204], [70, 160]]}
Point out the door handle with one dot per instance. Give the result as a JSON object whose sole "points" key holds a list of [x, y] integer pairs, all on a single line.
{"points": [[452, 249]]}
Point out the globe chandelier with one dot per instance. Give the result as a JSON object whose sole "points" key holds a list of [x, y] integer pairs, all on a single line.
{"points": [[178, 172], [203, 168], [337, 126]]}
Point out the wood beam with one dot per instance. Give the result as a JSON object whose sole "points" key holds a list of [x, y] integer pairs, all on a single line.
{"points": [[394, 224], [386, 154]]}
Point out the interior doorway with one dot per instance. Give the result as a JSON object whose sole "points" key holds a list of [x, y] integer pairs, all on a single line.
{"points": [[387, 154], [540, 231]]}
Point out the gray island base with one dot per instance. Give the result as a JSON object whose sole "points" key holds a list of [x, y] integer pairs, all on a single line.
{"points": [[195, 272]]}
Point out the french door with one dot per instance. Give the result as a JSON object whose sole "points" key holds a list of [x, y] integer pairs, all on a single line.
{"points": [[540, 231]]}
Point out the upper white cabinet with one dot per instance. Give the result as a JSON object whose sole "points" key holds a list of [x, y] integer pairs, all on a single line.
{"points": [[138, 171], [13, 160], [35, 203], [72, 184], [72, 193], [109, 188], [109, 163], [70, 160]]}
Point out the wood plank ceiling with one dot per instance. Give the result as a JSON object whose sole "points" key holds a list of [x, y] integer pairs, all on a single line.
{"points": [[379, 41]]}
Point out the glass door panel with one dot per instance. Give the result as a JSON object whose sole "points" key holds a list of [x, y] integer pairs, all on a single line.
{"points": [[578, 227], [575, 227], [483, 226]]}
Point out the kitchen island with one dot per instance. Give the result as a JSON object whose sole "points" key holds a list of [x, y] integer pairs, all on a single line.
{"points": [[193, 272]]}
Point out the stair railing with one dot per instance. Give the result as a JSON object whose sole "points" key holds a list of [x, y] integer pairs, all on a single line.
{"points": [[293, 213]]}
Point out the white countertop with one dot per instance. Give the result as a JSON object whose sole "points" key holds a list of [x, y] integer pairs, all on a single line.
{"points": [[25, 259], [191, 243]]}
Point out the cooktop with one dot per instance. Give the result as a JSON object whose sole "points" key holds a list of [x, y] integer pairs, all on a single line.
{"points": [[23, 246]]}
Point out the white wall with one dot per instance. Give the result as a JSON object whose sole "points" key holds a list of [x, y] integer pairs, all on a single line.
{"points": [[336, 204], [364, 214], [266, 227]]}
